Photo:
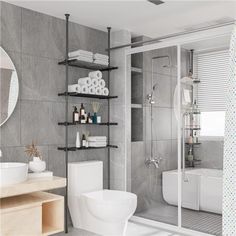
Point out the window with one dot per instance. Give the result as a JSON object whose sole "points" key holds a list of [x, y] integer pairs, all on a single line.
{"points": [[212, 123], [212, 70]]}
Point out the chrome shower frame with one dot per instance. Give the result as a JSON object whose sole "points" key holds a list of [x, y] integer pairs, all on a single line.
{"points": [[179, 43]]}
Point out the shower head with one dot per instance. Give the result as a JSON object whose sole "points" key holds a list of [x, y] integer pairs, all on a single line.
{"points": [[150, 96]]}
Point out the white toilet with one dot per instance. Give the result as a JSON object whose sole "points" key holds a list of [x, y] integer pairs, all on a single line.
{"points": [[104, 212]]}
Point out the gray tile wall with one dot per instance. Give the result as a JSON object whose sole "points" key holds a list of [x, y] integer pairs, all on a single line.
{"points": [[36, 42]]}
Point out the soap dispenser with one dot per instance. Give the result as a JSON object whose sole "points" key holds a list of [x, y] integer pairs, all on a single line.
{"points": [[75, 115]]}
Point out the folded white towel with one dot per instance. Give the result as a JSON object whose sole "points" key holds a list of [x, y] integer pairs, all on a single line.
{"points": [[82, 58], [101, 62], [101, 83], [80, 53], [97, 138], [95, 74], [105, 91], [94, 144], [74, 88], [100, 56], [85, 81], [84, 89]]}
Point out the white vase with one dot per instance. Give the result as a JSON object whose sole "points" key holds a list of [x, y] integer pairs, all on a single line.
{"points": [[37, 165]]}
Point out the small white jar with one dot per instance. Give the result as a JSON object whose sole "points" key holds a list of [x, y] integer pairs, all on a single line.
{"points": [[37, 165]]}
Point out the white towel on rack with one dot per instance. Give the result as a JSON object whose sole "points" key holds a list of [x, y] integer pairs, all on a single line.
{"points": [[84, 89], [94, 82], [101, 62], [95, 74], [80, 52], [97, 144], [92, 90], [82, 58], [101, 83], [100, 56], [105, 91], [98, 91], [97, 138], [85, 81], [74, 88]]}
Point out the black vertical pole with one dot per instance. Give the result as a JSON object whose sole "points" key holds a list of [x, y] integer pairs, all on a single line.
{"points": [[66, 127], [108, 85]]}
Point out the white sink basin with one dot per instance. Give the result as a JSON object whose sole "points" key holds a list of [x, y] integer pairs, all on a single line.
{"points": [[13, 173]]}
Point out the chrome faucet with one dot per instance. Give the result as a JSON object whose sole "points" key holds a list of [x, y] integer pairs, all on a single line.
{"points": [[153, 161]]}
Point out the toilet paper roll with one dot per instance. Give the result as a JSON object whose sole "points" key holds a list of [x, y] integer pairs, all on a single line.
{"points": [[85, 81], [92, 90], [98, 91], [101, 83], [95, 74], [105, 91], [74, 88], [84, 89], [95, 82]]}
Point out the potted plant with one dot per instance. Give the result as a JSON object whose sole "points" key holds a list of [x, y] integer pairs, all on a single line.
{"points": [[37, 165]]}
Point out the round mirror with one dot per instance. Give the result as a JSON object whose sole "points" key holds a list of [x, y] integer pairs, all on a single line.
{"points": [[9, 86]]}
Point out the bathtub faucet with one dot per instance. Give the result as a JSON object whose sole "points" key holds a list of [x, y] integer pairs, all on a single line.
{"points": [[153, 161]]}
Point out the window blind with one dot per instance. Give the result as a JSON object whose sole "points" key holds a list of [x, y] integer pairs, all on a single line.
{"points": [[212, 70]]}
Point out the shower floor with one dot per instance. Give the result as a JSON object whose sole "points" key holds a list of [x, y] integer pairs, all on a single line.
{"points": [[196, 220]]}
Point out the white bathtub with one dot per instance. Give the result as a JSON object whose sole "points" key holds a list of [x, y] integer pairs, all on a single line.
{"points": [[201, 190]]}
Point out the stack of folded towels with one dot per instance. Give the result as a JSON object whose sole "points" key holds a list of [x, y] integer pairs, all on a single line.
{"points": [[101, 59], [81, 55], [97, 141], [93, 84]]}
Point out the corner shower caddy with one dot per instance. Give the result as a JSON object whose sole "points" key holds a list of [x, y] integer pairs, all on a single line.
{"points": [[191, 130], [90, 66]]}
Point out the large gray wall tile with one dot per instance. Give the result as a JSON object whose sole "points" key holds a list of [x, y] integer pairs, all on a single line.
{"points": [[35, 122], [11, 27], [35, 33]]}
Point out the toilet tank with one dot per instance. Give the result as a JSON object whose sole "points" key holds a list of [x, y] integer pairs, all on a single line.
{"points": [[85, 176]]}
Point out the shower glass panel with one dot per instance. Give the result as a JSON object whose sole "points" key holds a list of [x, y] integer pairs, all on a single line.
{"points": [[202, 185], [154, 153]]}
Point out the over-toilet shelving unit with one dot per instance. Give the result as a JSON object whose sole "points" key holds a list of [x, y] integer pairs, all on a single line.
{"points": [[89, 66]]}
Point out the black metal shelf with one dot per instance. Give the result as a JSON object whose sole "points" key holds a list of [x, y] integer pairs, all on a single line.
{"points": [[84, 95], [87, 65], [71, 123], [85, 148], [90, 66]]}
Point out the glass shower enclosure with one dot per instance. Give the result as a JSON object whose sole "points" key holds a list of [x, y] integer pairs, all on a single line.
{"points": [[165, 124]]}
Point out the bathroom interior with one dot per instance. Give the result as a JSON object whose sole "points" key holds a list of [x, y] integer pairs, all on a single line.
{"points": [[120, 132]]}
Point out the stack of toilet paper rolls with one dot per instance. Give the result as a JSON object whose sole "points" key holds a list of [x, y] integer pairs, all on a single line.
{"points": [[93, 84]]}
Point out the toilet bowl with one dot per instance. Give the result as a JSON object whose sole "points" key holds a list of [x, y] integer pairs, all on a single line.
{"points": [[104, 212]]}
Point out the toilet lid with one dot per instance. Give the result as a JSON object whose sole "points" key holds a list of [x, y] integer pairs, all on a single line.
{"points": [[112, 196]]}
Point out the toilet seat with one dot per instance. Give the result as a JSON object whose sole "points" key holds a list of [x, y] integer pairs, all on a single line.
{"points": [[106, 196]]}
